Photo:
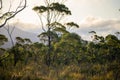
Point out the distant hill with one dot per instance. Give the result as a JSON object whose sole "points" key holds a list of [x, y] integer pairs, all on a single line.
{"points": [[18, 33]]}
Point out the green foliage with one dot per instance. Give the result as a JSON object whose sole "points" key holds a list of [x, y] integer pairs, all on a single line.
{"points": [[57, 24], [71, 24], [40, 9], [44, 36], [3, 39], [71, 58], [60, 8]]}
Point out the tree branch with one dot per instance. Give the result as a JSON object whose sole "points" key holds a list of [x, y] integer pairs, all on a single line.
{"points": [[41, 22], [15, 13], [0, 4]]}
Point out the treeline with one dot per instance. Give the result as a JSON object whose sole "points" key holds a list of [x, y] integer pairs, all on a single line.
{"points": [[71, 58]]}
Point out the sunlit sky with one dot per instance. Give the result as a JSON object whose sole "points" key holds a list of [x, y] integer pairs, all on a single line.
{"points": [[102, 16]]}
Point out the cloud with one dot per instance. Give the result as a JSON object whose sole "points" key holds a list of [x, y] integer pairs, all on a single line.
{"points": [[90, 1], [103, 27], [29, 27], [99, 23]]}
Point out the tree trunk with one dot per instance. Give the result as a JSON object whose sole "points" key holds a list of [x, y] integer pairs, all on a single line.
{"points": [[48, 61]]}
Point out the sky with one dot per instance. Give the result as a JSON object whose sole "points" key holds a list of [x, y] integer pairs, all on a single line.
{"points": [[102, 16]]}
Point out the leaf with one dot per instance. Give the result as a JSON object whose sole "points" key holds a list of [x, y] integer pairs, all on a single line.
{"points": [[61, 30], [44, 35], [40, 9], [92, 32], [20, 40], [27, 40], [60, 8], [57, 24], [3, 38], [71, 24]]}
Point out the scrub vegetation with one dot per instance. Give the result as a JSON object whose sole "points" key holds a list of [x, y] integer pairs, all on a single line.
{"points": [[60, 54]]}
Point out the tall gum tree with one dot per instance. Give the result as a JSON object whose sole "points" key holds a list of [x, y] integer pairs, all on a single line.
{"points": [[51, 14]]}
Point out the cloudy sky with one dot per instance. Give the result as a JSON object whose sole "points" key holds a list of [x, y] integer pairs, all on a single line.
{"points": [[102, 16]]}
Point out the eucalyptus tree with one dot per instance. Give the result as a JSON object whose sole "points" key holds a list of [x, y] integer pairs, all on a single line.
{"points": [[68, 48], [3, 39], [113, 56], [10, 13], [51, 15], [113, 45], [21, 50]]}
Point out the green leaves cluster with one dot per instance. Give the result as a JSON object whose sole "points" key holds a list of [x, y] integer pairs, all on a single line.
{"points": [[61, 8], [3, 39]]}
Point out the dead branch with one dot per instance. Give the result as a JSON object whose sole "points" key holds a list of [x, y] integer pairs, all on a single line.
{"points": [[0, 4], [13, 13]]}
